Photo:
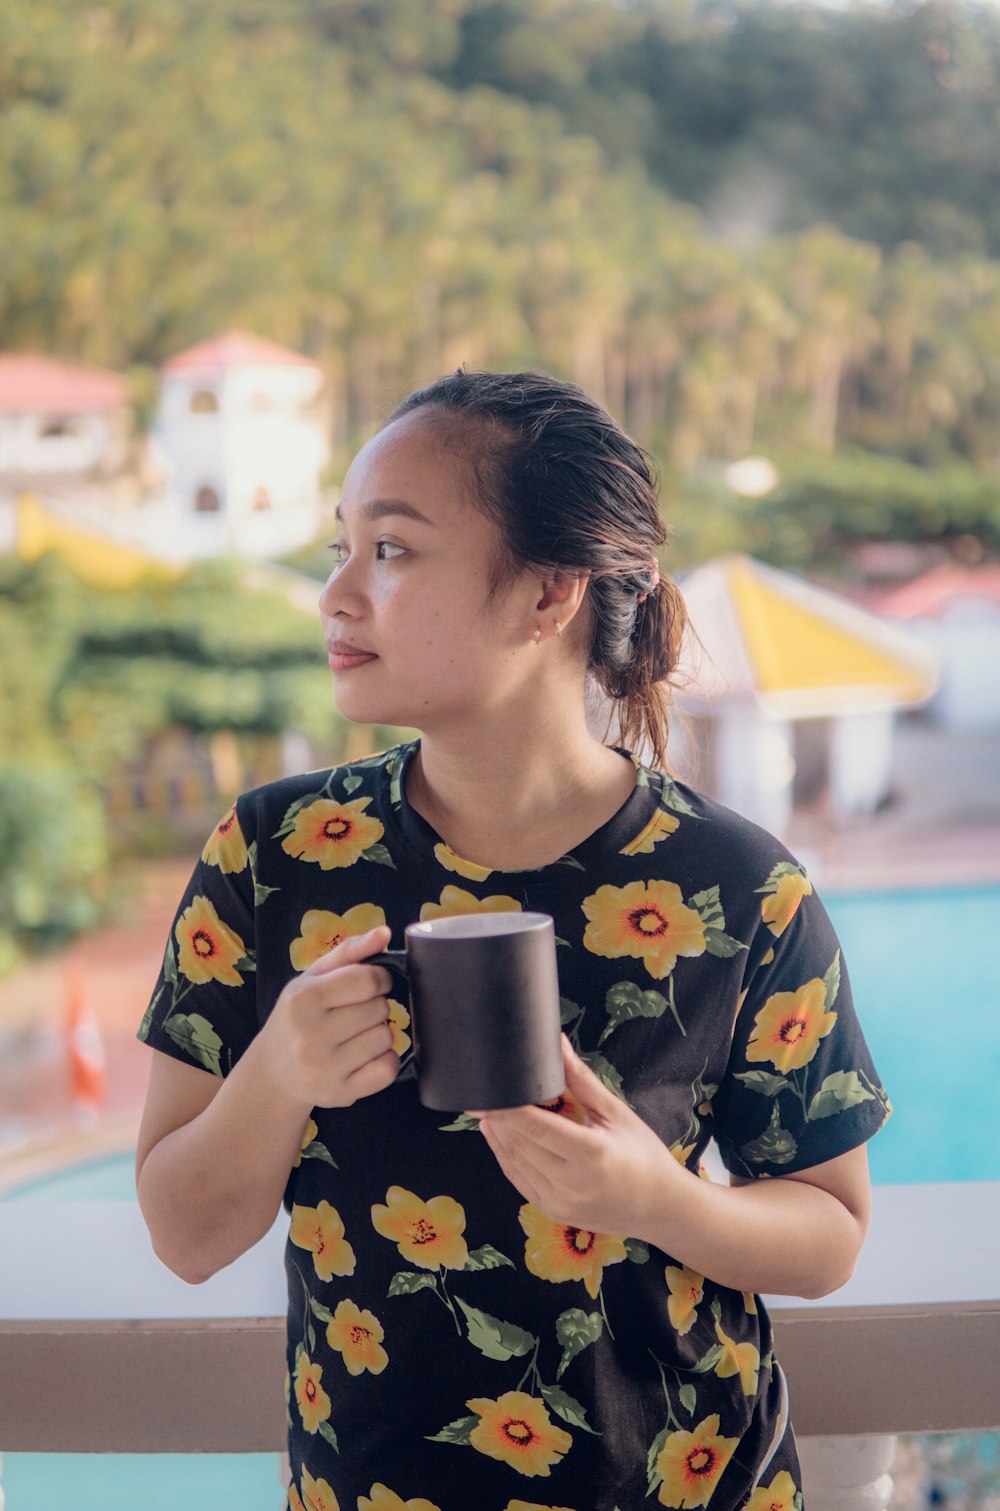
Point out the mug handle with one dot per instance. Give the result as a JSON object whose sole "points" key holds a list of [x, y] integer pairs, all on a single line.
{"points": [[395, 960]]}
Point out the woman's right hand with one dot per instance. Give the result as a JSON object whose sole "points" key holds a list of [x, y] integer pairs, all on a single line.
{"points": [[328, 1039]]}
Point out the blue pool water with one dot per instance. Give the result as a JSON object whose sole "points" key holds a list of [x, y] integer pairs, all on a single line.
{"points": [[925, 972]]}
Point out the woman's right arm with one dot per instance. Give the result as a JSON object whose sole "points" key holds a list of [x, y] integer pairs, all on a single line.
{"points": [[213, 1156]]}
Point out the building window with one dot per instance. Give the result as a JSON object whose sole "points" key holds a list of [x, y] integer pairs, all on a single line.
{"points": [[261, 500], [61, 429], [204, 401], [206, 501]]}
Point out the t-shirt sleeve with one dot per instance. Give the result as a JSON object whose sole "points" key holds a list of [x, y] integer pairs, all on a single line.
{"points": [[203, 1010], [800, 1086]]}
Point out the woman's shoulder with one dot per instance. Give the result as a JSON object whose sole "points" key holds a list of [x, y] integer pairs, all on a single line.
{"points": [[720, 835], [349, 785]]}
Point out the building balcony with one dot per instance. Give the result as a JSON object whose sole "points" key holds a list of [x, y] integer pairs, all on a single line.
{"points": [[129, 1359]]}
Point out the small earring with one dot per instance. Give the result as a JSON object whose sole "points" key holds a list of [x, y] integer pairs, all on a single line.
{"points": [[538, 634], [558, 628]]}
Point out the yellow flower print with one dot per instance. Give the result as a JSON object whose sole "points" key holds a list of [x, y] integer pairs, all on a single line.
{"points": [[647, 920], [659, 827], [294, 1499], [332, 834], [399, 1022], [307, 1138], [381, 1498], [565, 1105], [517, 1430], [427, 1233], [208, 949], [317, 1494], [749, 1303], [320, 931], [789, 1026], [225, 846], [779, 1495], [314, 1403], [681, 1153], [456, 901], [452, 862], [741, 1359], [320, 1230], [691, 1464], [780, 906], [357, 1335], [555, 1251], [686, 1290], [531, 1506]]}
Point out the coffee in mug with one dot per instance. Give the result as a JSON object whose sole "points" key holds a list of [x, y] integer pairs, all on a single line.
{"points": [[484, 1009]]}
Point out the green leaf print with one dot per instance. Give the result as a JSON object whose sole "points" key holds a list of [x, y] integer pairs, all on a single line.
{"points": [[408, 1282], [569, 1011], [147, 1017], [671, 799], [459, 1431], [783, 868], [462, 1124], [606, 1072], [839, 1091], [328, 1435], [247, 963], [832, 982], [627, 1000], [310, 1338], [197, 1038], [689, 1399], [486, 1258], [708, 1361], [762, 1081], [379, 854], [656, 1447], [775, 1145], [567, 1407], [568, 860], [319, 1310], [316, 1150], [723, 946], [576, 1330], [262, 893], [495, 1339], [170, 963], [352, 783], [709, 908], [637, 1251]]}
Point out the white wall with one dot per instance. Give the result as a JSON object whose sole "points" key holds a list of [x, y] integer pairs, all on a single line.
{"points": [[967, 641], [25, 448]]}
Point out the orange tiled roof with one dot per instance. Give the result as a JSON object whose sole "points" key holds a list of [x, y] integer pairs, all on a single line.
{"points": [[931, 594], [234, 349], [32, 384]]}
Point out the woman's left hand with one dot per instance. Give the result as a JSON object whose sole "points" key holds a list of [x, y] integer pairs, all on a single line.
{"points": [[608, 1175]]}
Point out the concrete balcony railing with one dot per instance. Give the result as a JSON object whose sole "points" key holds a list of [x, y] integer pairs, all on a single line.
{"points": [[102, 1350]]}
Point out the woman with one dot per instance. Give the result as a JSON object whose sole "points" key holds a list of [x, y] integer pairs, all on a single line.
{"points": [[521, 1310]]}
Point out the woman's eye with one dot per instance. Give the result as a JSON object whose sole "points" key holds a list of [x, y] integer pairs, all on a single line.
{"points": [[341, 552]]}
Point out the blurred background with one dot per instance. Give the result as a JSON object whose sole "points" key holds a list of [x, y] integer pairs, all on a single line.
{"points": [[234, 233]]}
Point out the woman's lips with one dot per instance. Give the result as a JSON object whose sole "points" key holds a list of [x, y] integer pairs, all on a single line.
{"points": [[342, 661]]}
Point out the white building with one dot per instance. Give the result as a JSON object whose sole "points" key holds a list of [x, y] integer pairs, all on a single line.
{"points": [[955, 611], [239, 445], [59, 419]]}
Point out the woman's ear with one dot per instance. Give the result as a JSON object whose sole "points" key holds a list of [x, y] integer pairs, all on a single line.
{"points": [[563, 593]]}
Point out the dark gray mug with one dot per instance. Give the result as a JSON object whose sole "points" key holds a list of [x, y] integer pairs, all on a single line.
{"points": [[484, 1009]]}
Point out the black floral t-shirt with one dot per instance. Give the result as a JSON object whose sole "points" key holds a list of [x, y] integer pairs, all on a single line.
{"points": [[449, 1345]]}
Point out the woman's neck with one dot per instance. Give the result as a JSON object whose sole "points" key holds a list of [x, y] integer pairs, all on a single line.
{"points": [[511, 804]]}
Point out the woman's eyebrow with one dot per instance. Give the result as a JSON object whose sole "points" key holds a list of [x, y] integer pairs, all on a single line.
{"points": [[378, 508]]}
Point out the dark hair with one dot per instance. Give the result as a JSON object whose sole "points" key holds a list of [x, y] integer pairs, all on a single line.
{"points": [[569, 489]]}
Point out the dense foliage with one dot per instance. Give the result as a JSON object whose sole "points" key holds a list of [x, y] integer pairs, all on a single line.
{"points": [[744, 226], [88, 678]]}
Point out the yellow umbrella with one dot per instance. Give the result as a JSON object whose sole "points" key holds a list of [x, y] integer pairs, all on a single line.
{"points": [[794, 650]]}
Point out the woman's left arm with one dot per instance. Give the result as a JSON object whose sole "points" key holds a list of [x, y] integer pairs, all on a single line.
{"points": [[797, 1235]]}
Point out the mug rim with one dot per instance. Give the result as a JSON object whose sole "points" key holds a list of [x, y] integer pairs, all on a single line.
{"points": [[465, 926]]}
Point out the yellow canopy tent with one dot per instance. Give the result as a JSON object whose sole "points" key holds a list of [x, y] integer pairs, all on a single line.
{"points": [[778, 642]]}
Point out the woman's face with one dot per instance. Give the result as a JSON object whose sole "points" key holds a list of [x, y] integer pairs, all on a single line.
{"points": [[410, 589]]}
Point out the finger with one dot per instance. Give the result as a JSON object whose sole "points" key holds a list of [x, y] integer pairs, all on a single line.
{"points": [[521, 1176], [351, 983], [369, 1044], [537, 1129], [345, 1023], [373, 1076], [588, 1089], [354, 947]]}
